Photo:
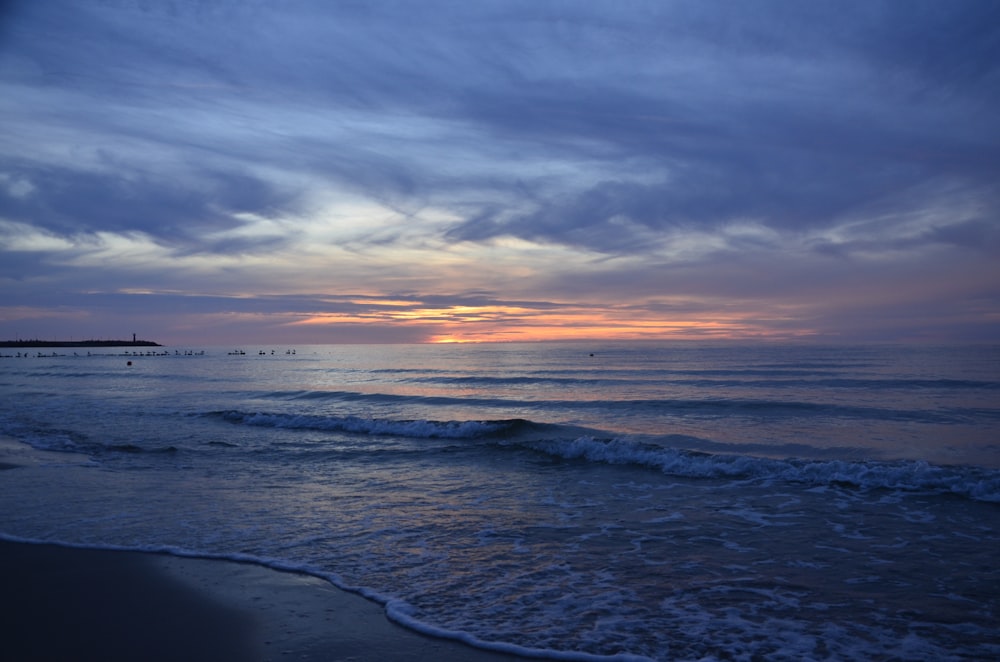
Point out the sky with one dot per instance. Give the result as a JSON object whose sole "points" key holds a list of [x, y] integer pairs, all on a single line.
{"points": [[312, 171]]}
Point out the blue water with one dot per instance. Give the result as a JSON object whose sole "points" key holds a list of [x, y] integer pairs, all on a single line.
{"points": [[674, 501]]}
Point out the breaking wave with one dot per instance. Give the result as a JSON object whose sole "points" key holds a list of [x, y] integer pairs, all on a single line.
{"points": [[970, 482], [565, 442]]}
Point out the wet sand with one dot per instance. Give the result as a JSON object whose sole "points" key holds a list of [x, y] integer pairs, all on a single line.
{"points": [[61, 603]]}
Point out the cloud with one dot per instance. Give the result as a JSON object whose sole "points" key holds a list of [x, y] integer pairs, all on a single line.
{"points": [[122, 199], [751, 159]]}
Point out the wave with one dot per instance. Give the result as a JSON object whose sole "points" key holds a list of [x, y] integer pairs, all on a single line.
{"points": [[63, 375], [566, 442], [794, 409], [974, 483], [375, 426], [67, 441], [396, 610], [716, 379], [682, 408], [386, 398]]}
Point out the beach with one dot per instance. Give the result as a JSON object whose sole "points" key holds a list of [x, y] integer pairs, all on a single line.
{"points": [[652, 503], [63, 603], [75, 603]]}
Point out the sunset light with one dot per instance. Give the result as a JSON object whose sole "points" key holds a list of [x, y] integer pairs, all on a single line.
{"points": [[482, 330], [257, 173]]}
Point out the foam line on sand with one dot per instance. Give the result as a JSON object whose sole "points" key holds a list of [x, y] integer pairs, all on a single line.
{"points": [[61, 603]]}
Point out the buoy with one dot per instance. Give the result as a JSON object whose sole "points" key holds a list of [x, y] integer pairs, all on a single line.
{"points": [[129, 363]]}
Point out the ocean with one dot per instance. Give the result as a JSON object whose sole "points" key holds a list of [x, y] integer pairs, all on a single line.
{"points": [[672, 501]]}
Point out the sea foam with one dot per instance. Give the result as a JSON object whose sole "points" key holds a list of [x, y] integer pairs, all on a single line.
{"points": [[971, 482]]}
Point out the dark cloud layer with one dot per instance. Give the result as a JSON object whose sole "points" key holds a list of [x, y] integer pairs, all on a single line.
{"points": [[662, 150]]}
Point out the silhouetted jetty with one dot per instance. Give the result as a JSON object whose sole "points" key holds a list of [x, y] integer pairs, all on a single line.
{"points": [[21, 344]]}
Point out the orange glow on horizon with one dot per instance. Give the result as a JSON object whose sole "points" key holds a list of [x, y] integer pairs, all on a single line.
{"points": [[499, 323]]}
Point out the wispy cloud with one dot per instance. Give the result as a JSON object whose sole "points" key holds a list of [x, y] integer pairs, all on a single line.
{"points": [[629, 170]]}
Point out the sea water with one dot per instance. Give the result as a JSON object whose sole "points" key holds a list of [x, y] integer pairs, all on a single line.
{"points": [[575, 501]]}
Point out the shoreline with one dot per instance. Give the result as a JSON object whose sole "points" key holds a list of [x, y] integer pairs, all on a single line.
{"points": [[62, 602], [70, 603]]}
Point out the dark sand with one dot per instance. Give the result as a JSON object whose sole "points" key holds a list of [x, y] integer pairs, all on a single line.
{"points": [[60, 603]]}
